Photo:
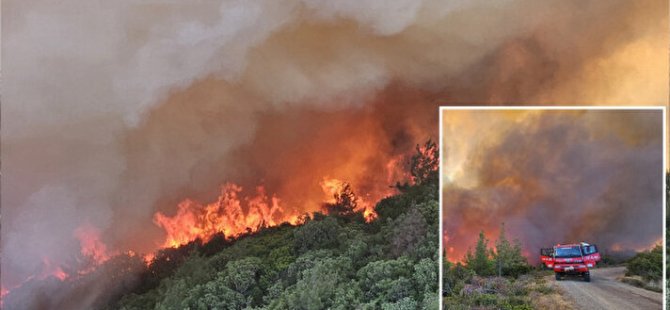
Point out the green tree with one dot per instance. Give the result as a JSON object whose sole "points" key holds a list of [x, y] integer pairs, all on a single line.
{"points": [[317, 235], [174, 289], [647, 264], [386, 280], [214, 294], [316, 286], [406, 303], [408, 234], [509, 261], [241, 275], [503, 253], [426, 275], [480, 262]]}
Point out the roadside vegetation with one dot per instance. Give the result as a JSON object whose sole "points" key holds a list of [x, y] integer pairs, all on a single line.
{"points": [[498, 277], [645, 269]]}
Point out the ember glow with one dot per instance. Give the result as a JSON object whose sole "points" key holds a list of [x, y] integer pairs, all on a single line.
{"points": [[553, 177], [91, 246]]}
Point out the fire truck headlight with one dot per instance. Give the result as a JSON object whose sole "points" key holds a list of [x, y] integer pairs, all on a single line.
{"points": [[589, 265], [550, 266]]}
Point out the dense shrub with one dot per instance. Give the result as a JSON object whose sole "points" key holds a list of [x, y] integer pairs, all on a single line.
{"points": [[648, 264]]}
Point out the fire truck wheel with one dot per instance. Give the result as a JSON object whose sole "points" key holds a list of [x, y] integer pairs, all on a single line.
{"points": [[558, 276], [587, 277]]}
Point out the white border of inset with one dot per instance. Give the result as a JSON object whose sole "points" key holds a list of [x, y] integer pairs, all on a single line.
{"points": [[664, 110]]}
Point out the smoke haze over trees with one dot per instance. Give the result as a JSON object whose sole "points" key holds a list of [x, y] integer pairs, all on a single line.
{"points": [[554, 177]]}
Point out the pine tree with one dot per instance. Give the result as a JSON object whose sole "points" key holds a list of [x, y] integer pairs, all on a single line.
{"points": [[508, 257], [504, 252], [480, 262]]}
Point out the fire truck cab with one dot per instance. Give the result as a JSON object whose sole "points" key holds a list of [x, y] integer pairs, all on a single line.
{"points": [[571, 259]]}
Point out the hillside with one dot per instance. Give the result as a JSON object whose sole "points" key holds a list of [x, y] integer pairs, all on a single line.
{"points": [[332, 261]]}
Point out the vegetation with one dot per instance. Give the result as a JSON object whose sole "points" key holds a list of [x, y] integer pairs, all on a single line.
{"points": [[645, 269], [503, 260], [496, 277], [647, 264], [333, 261]]}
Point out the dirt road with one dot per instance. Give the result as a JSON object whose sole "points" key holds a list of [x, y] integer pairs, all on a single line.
{"points": [[605, 292]]}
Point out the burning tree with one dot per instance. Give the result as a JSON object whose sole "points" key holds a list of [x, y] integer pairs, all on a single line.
{"points": [[425, 163], [345, 201]]}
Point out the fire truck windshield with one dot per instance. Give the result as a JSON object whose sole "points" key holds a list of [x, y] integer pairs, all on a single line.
{"points": [[567, 252]]}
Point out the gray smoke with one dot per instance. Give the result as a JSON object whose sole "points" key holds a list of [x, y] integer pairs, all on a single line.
{"points": [[559, 177]]}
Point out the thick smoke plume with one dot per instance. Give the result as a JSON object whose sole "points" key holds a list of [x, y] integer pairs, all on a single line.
{"points": [[556, 177], [114, 111]]}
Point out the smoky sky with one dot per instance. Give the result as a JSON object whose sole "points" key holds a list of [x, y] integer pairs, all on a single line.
{"points": [[563, 176]]}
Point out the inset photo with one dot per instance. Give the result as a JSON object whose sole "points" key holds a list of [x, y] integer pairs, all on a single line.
{"points": [[552, 207]]}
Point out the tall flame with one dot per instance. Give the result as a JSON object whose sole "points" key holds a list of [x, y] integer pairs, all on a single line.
{"points": [[233, 215], [229, 215]]}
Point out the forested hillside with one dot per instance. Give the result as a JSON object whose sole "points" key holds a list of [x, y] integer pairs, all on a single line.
{"points": [[333, 261]]}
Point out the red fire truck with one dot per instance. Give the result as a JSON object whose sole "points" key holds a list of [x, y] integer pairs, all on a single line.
{"points": [[571, 259]]}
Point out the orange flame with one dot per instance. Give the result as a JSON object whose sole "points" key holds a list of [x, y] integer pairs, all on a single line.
{"points": [[334, 187], [91, 246], [395, 170], [229, 215], [148, 258], [234, 215]]}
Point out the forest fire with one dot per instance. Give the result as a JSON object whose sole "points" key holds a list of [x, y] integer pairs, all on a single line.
{"points": [[234, 212], [231, 215], [149, 104]]}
